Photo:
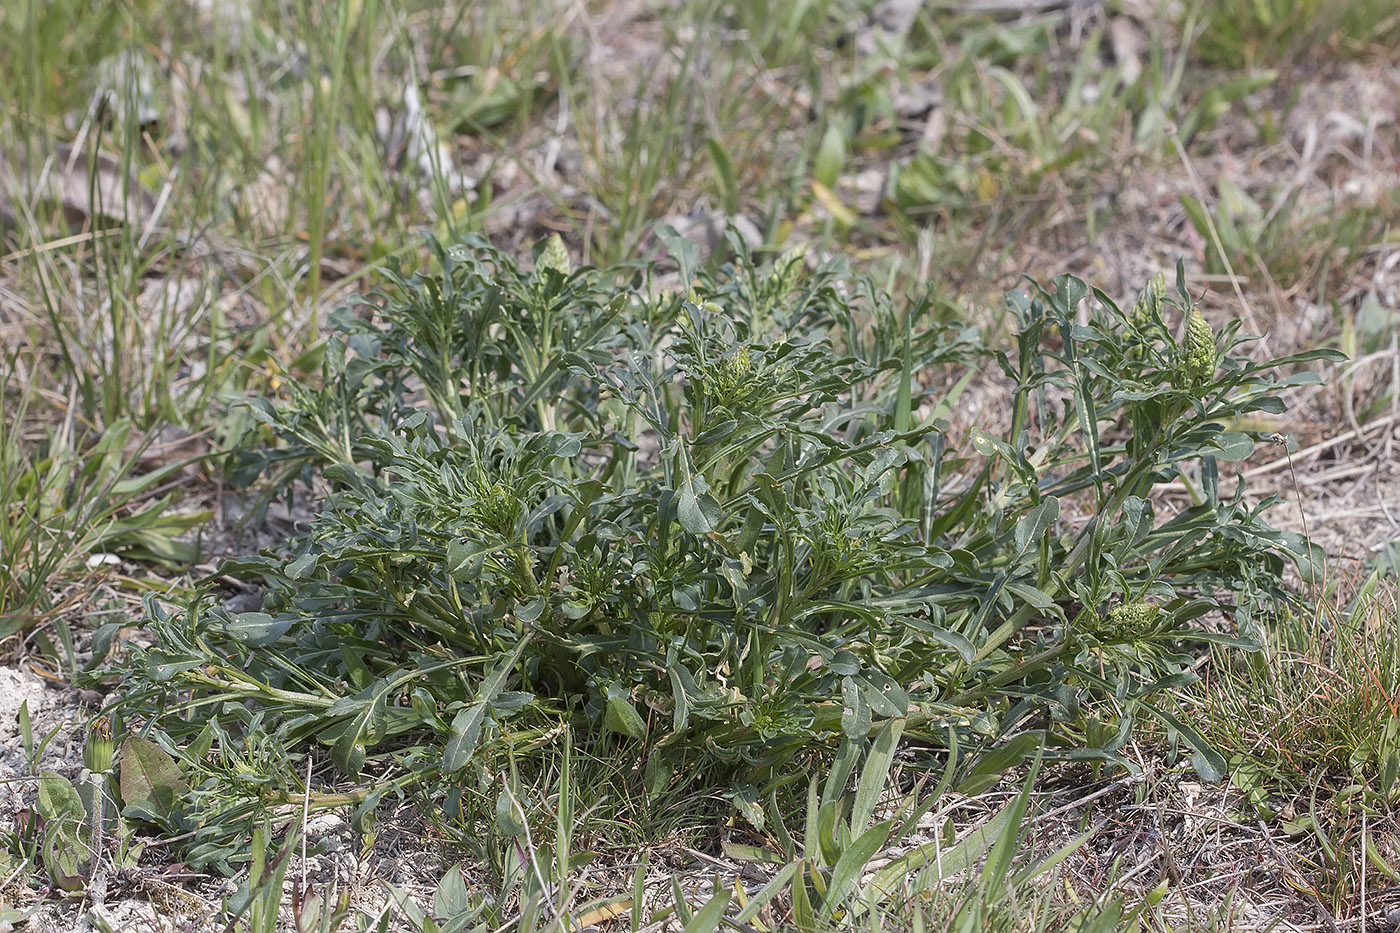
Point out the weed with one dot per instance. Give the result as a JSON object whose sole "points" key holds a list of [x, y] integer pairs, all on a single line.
{"points": [[715, 539], [70, 501], [709, 526], [1271, 32]]}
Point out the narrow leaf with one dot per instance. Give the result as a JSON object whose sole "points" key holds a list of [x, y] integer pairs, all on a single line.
{"points": [[465, 731], [707, 919], [851, 864], [875, 773]]}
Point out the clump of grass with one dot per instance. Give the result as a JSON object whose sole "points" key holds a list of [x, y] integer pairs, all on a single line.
{"points": [[67, 500], [1323, 703], [1264, 33], [1311, 729], [1286, 242], [711, 526]]}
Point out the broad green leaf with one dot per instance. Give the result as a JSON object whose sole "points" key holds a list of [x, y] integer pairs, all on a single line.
{"points": [[658, 774], [258, 629], [65, 856], [1035, 523], [511, 700], [452, 897], [58, 800], [855, 716], [350, 752], [696, 509], [811, 841], [682, 688], [682, 906], [302, 567], [746, 800], [151, 782], [885, 696], [1235, 446], [621, 716], [717, 433], [365, 726], [508, 816], [464, 557], [531, 610], [161, 670], [682, 249]]}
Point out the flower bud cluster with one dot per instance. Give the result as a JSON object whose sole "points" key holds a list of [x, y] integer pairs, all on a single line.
{"points": [[555, 256], [1132, 619], [1199, 357]]}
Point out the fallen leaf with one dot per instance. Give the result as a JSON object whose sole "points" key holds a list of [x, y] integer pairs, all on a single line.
{"points": [[92, 190]]}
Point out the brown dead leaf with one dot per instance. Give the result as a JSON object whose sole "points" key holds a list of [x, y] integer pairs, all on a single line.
{"points": [[92, 191]]}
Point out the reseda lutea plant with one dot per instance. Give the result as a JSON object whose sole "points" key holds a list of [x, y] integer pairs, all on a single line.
{"points": [[725, 526]]}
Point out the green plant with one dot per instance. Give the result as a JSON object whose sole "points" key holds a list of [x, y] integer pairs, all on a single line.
{"points": [[1326, 708], [1270, 32], [1281, 238], [82, 825], [68, 498], [711, 527], [254, 907], [826, 874], [1311, 728]]}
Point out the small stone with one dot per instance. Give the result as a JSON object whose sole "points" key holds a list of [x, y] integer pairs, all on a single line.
{"points": [[324, 824]]}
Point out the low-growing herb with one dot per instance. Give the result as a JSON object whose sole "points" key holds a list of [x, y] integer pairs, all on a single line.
{"points": [[727, 526]]}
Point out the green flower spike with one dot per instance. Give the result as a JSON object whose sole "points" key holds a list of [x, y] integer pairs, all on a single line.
{"points": [[1200, 356], [1149, 302], [1147, 310], [555, 255]]}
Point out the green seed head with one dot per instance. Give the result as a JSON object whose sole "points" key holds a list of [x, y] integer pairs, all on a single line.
{"points": [[730, 380], [493, 503], [1200, 355], [1149, 301], [555, 256], [1144, 318], [1131, 619], [741, 363]]}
